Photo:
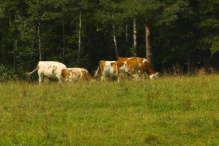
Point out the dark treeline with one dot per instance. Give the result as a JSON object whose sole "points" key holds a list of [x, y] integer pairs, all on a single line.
{"points": [[80, 33]]}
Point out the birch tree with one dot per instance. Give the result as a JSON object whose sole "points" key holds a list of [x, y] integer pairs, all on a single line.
{"points": [[148, 41], [110, 14], [79, 38], [134, 38], [115, 39], [38, 29]]}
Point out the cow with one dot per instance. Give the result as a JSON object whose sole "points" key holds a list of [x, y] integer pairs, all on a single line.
{"points": [[106, 68], [51, 69], [135, 65], [109, 68], [79, 74]]}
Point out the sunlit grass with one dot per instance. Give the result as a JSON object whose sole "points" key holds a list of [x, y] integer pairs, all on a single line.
{"points": [[175, 110]]}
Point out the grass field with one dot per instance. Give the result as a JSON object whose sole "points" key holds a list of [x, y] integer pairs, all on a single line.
{"points": [[167, 111]]}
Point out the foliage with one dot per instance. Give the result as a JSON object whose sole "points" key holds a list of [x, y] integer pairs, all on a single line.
{"points": [[5, 74], [183, 31]]}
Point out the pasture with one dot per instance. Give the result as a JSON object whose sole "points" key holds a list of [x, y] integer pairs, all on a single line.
{"points": [[176, 110]]}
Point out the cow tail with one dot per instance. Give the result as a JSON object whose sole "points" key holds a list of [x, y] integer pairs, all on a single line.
{"points": [[97, 71], [29, 73]]}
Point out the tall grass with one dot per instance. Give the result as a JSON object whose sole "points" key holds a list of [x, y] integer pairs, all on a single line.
{"points": [[175, 110]]}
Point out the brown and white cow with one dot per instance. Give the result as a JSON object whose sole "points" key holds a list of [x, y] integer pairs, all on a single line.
{"points": [[135, 65], [106, 68], [109, 69], [79, 74], [51, 69]]}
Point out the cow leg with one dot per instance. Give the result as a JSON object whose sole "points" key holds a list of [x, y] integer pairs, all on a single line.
{"points": [[143, 76], [122, 76], [40, 75], [118, 77], [40, 79], [102, 78], [118, 74], [61, 80], [46, 80]]}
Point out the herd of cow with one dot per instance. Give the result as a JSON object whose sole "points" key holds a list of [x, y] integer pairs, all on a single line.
{"points": [[134, 67]]}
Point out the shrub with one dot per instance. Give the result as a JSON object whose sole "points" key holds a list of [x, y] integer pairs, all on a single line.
{"points": [[5, 74]]}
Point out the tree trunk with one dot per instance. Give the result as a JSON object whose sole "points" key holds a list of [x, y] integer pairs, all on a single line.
{"points": [[14, 46], [126, 34], [14, 56], [64, 48], [134, 38], [148, 41], [39, 40], [126, 40], [40, 53], [31, 56], [189, 64], [115, 41], [79, 41]]}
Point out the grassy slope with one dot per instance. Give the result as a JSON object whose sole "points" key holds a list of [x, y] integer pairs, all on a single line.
{"points": [[168, 111]]}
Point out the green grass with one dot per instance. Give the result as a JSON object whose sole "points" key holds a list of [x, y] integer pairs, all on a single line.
{"points": [[167, 111]]}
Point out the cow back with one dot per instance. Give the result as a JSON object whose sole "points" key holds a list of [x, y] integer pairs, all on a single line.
{"points": [[78, 74], [134, 65], [53, 69]]}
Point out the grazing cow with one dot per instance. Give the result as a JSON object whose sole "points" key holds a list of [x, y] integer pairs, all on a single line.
{"points": [[135, 65], [106, 68], [51, 69], [109, 68], [79, 74]]}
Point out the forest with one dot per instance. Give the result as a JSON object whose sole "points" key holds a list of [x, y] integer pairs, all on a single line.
{"points": [[183, 33]]}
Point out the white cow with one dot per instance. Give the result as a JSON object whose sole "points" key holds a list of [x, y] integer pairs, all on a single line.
{"points": [[79, 74], [51, 69]]}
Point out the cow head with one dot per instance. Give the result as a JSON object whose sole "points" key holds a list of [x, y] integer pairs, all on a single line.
{"points": [[68, 79], [65, 74], [154, 76]]}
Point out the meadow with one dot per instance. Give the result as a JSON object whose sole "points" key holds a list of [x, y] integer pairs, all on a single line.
{"points": [[177, 110]]}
